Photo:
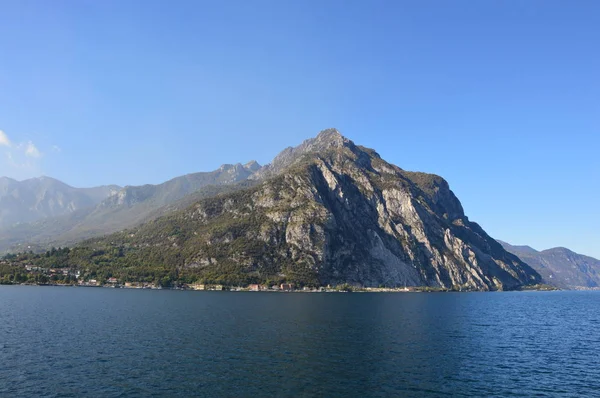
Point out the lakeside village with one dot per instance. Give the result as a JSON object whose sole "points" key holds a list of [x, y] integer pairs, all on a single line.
{"points": [[63, 277], [39, 276]]}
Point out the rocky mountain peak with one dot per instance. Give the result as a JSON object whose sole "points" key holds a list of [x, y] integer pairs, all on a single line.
{"points": [[331, 138], [226, 167], [327, 140], [249, 167], [252, 166]]}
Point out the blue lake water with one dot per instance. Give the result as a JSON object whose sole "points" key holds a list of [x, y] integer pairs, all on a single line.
{"points": [[115, 342]]}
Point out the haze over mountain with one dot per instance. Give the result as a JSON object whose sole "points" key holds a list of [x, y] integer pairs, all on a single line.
{"points": [[123, 208], [37, 198], [326, 212], [560, 266]]}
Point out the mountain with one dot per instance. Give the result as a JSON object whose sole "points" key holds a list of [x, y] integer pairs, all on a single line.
{"points": [[37, 198], [326, 212], [168, 192], [326, 140], [125, 208], [560, 266]]}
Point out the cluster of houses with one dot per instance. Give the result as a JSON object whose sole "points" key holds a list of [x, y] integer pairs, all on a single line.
{"points": [[76, 275], [114, 282], [284, 287], [91, 282], [53, 271], [201, 286]]}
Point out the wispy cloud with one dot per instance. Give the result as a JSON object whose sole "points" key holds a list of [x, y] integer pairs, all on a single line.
{"points": [[31, 150], [20, 159], [4, 141]]}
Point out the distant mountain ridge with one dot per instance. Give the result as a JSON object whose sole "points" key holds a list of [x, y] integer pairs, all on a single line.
{"points": [[37, 198], [176, 188], [560, 266], [123, 208]]}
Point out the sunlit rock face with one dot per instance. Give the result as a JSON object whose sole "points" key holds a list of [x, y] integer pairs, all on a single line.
{"points": [[334, 212]]}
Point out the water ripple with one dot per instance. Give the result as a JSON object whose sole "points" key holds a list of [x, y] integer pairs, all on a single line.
{"points": [[66, 342]]}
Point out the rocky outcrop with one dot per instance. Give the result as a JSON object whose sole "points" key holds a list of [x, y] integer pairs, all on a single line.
{"points": [[331, 212], [326, 140]]}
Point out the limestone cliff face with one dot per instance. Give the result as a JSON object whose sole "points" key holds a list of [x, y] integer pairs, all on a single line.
{"points": [[332, 212]]}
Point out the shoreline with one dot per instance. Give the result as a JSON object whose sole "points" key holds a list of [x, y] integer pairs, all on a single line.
{"points": [[414, 289]]}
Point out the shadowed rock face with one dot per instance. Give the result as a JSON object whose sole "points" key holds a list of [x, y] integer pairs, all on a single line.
{"points": [[330, 212], [560, 266]]}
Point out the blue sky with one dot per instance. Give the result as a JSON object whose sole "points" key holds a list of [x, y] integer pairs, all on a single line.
{"points": [[502, 98]]}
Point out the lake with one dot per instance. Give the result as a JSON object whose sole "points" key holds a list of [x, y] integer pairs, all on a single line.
{"points": [[72, 341]]}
